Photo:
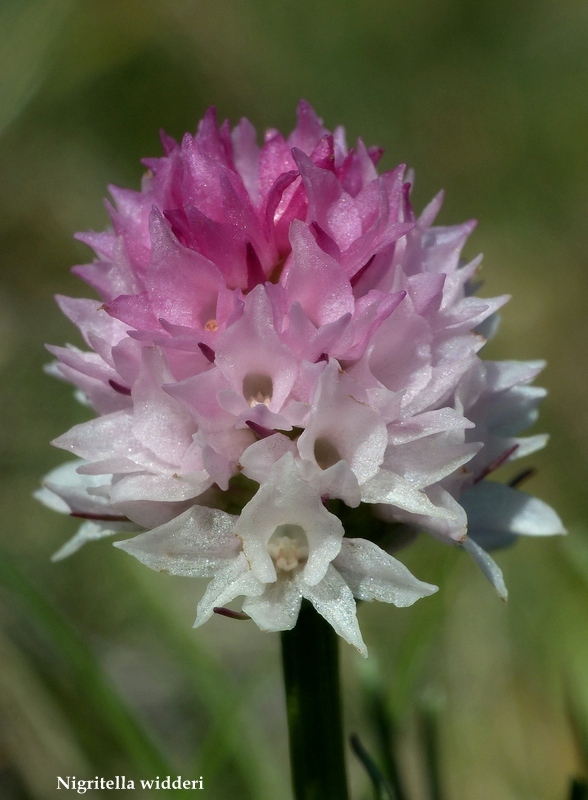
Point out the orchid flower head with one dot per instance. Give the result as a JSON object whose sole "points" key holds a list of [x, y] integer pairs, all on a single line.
{"points": [[278, 336]]}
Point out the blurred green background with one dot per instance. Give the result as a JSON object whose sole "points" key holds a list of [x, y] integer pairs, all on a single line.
{"points": [[100, 672]]}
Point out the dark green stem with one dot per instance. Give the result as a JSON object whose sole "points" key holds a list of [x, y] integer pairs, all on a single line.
{"points": [[386, 733], [311, 678], [431, 746]]}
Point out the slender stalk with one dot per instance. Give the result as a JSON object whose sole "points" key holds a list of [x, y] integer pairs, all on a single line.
{"points": [[381, 789], [431, 747], [311, 678], [386, 733]]}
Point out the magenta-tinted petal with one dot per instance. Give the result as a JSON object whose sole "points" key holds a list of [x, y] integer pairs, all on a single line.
{"points": [[341, 427], [183, 286], [315, 280], [253, 359], [309, 128]]}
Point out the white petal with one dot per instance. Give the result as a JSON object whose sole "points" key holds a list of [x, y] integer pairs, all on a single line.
{"points": [[90, 531], [427, 461], [277, 608], [258, 459], [66, 490], [373, 574], [252, 346], [287, 499], [451, 531], [495, 507], [501, 375], [488, 566], [336, 481], [513, 410], [333, 599], [158, 488], [529, 444], [159, 422], [233, 580], [196, 543], [386, 487], [51, 500], [430, 422], [488, 327]]}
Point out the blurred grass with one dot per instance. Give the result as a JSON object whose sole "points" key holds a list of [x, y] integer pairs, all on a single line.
{"points": [[488, 100]]}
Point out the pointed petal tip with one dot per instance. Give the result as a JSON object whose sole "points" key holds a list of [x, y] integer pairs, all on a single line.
{"points": [[124, 545], [561, 531], [363, 651], [489, 567]]}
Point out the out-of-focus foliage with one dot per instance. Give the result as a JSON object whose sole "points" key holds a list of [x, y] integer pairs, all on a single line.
{"points": [[100, 672]]}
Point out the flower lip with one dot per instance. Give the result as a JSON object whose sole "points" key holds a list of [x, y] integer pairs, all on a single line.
{"points": [[257, 389], [326, 453], [288, 548]]}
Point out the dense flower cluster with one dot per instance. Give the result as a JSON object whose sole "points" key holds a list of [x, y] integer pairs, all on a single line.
{"points": [[277, 334]]}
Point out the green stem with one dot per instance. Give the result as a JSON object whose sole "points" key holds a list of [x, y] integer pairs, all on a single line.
{"points": [[311, 678], [386, 733], [431, 746]]}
